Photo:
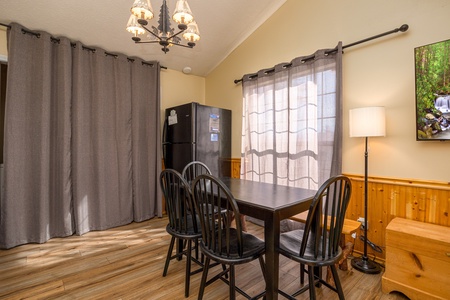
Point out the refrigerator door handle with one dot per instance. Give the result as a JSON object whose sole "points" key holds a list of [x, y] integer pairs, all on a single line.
{"points": [[164, 132], [164, 143]]}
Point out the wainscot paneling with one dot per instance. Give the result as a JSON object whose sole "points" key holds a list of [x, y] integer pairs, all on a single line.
{"points": [[419, 200], [235, 168]]}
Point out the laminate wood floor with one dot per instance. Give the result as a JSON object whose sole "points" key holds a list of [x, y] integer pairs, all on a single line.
{"points": [[127, 263]]}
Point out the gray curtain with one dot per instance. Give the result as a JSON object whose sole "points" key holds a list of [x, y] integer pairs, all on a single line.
{"points": [[146, 140], [292, 121], [101, 142], [72, 157]]}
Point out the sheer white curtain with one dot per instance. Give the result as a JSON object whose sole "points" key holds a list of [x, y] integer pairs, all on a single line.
{"points": [[291, 126]]}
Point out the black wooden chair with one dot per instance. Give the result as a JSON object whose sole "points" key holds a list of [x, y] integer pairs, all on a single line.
{"points": [[193, 169], [183, 222], [223, 244], [317, 245]]}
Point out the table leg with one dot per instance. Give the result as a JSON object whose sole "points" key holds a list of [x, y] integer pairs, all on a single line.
{"points": [[272, 241]]}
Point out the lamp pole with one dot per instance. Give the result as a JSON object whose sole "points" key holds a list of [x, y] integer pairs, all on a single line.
{"points": [[363, 263]]}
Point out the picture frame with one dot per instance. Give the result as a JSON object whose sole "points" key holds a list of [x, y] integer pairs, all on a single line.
{"points": [[432, 88]]}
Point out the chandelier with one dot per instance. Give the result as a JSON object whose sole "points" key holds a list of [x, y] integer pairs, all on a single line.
{"points": [[164, 34]]}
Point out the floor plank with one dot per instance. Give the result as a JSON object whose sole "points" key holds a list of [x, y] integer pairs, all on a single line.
{"points": [[127, 263]]}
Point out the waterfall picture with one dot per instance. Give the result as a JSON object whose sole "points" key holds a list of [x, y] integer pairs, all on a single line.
{"points": [[432, 73]]}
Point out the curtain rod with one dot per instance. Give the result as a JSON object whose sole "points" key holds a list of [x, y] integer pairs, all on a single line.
{"points": [[402, 28], [56, 40]]}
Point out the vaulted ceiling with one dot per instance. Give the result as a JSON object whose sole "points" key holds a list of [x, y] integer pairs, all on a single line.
{"points": [[223, 25]]}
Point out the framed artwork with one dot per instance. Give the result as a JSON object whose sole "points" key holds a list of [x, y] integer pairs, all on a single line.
{"points": [[432, 74]]}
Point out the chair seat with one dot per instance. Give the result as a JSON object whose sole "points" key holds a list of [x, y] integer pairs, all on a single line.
{"points": [[189, 231], [350, 226], [253, 247], [290, 243], [211, 209]]}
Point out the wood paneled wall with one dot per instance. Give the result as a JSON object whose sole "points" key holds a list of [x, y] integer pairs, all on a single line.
{"points": [[420, 200], [235, 168]]}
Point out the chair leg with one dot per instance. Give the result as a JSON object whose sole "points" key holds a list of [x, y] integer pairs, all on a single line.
{"points": [[204, 276], [312, 286], [232, 283], [318, 274], [302, 273], [337, 282], [224, 267], [196, 249], [188, 269], [180, 247], [263, 267], [169, 255]]}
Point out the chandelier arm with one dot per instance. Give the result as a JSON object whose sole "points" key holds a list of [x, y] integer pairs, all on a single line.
{"points": [[186, 46], [151, 32], [147, 42], [181, 31]]}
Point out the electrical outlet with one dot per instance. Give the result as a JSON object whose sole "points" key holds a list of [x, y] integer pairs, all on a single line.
{"points": [[361, 219]]}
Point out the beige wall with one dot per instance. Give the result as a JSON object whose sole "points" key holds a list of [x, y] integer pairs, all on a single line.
{"points": [[178, 88], [380, 72], [3, 50]]}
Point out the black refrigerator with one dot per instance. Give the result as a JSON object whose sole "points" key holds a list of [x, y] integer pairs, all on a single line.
{"points": [[195, 132]]}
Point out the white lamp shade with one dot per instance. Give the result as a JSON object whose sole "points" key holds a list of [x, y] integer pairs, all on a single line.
{"points": [[367, 121], [142, 9], [182, 13], [191, 34], [133, 26]]}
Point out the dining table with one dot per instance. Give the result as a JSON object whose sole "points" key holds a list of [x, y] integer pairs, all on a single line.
{"points": [[270, 203]]}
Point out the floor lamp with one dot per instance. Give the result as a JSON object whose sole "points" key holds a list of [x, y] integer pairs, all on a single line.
{"points": [[366, 122]]}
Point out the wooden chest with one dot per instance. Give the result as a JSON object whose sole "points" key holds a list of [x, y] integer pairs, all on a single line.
{"points": [[417, 259]]}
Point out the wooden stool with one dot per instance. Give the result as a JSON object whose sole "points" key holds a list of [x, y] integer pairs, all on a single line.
{"points": [[350, 227]]}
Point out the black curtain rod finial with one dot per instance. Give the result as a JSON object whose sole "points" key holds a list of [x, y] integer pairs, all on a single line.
{"points": [[404, 27]]}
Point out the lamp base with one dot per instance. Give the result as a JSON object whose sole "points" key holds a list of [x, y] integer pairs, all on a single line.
{"points": [[364, 265]]}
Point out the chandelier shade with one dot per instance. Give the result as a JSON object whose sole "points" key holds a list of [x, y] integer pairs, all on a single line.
{"points": [[142, 9], [191, 34], [163, 34], [134, 27], [182, 13]]}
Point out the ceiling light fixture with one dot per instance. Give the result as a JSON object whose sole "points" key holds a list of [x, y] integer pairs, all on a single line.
{"points": [[142, 11]]}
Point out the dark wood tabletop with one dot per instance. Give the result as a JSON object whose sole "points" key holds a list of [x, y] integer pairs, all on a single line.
{"points": [[271, 204]]}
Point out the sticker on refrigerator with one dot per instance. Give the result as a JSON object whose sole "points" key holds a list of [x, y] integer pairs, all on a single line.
{"points": [[172, 119], [214, 137], [214, 124]]}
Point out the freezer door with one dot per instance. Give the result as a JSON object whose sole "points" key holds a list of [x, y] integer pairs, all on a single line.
{"points": [[179, 124], [177, 156]]}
